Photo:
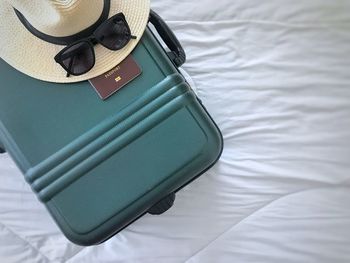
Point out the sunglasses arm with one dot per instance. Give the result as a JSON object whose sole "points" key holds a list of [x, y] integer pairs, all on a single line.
{"points": [[70, 67]]}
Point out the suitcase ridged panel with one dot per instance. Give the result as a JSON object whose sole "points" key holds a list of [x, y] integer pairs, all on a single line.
{"points": [[76, 164], [43, 167]]}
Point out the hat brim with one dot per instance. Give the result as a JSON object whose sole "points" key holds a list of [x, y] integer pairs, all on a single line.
{"points": [[35, 57]]}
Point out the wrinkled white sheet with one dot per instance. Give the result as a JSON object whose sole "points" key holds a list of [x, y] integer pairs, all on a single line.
{"points": [[275, 75]]}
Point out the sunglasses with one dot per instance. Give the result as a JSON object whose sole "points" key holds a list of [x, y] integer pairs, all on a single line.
{"points": [[79, 57]]}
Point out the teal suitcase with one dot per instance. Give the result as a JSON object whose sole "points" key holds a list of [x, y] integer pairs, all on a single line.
{"points": [[99, 165]]}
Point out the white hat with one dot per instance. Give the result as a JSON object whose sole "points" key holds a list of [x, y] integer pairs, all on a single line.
{"points": [[30, 54]]}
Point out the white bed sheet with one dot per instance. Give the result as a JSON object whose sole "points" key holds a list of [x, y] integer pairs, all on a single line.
{"points": [[275, 75]]}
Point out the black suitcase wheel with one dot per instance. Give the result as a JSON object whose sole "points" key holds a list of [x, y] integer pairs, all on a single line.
{"points": [[163, 205], [2, 150]]}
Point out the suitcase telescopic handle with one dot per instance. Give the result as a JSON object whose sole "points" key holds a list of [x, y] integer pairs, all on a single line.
{"points": [[177, 53]]}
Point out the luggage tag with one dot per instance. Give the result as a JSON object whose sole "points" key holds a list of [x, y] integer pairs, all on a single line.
{"points": [[110, 82]]}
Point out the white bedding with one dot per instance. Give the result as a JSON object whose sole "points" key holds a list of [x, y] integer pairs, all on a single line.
{"points": [[275, 75]]}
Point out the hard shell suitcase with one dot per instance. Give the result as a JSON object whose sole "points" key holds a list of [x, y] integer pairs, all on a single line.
{"points": [[99, 165]]}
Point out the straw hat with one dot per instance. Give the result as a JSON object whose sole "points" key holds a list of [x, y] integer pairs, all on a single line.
{"points": [[61, 18]]}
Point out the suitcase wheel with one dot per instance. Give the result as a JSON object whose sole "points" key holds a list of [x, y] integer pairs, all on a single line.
{"points": [[2, 150], [163, 205]]}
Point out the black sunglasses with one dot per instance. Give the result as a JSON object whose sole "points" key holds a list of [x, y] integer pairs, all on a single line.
{"points": [[79, 57]]}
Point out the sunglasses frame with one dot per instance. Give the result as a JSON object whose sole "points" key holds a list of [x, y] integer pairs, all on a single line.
{"points": [[92, 41]]}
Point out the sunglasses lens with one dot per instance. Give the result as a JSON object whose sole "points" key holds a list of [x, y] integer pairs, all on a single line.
{"points": [[114, 34], [78, 59]]}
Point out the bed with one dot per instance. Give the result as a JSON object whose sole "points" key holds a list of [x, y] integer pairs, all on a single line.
{"points": [[275, 76]]}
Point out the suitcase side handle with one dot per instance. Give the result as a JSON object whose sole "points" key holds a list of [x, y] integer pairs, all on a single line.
{"points": [[177, 53]]}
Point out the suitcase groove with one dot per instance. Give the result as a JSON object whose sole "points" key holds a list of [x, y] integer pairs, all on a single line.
{"points": [[52, 182], [43, 167]]}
